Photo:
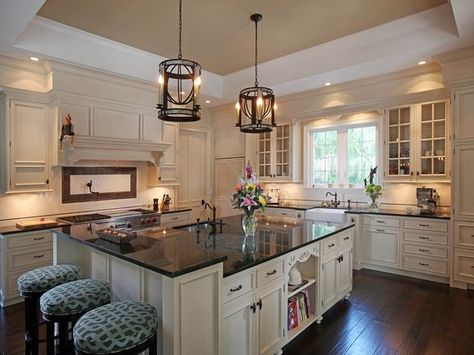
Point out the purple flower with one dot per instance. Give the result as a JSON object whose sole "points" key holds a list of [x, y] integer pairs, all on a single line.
{"points": [[248, 171], [248, 202]]}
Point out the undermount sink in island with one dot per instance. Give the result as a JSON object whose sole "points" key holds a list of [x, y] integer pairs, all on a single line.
{"points": [[198, 278]]}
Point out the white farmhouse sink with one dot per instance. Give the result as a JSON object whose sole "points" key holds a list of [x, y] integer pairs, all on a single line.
{"points": [[326, 215]]}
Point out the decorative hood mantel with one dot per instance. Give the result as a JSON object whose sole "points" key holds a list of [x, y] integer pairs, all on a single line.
{"points": [[107, 149]]}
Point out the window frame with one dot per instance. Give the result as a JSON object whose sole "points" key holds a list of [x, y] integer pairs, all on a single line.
{"points": [[342, 141]]}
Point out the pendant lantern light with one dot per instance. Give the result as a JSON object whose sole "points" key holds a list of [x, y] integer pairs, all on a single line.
{"points": [[179, 82], [256, 106]]}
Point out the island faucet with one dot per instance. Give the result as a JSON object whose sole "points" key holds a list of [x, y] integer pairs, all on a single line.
{"points": [[335, 203], [213, 209]]}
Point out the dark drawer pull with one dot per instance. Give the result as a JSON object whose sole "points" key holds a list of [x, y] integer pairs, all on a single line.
{"points": [[271, 272], [424, 238], [380, 221], [346, 238], [424, 250], [380, 230], [235, 289], [472, 235], [423, 264], [38, 238], [331, 245], [38, 256], [174, 218], [284, 214], [424, 225]]}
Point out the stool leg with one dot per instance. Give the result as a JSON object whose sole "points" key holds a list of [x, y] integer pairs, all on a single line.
{"points": [[31, 325], [153, 350], [63, 337], [49, 338]]}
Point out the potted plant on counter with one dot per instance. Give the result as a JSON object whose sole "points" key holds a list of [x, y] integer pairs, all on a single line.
{"points": [[372, 190], [249, 197]]}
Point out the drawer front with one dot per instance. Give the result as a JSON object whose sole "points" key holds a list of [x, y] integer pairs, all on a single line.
{"points": [[426, 250], [426, 224], [175, 218], [282, 212], [464, 235], [330, 244], [269, 273], [345, 239], [464, 266], [425, 238], [29, 239], [237, 287], [382, 221], [21, 258], [436, 267], [12, 290]]}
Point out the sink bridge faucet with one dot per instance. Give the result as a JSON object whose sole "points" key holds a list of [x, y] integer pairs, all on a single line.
{"points": [[334, 202], [213, 209]]}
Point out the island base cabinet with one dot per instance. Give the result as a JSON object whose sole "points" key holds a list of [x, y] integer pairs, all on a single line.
{"points": [[238, 327]]}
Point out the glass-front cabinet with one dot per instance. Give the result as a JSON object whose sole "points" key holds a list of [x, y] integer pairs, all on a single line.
{"points": [[274, 154], [416, 142]]}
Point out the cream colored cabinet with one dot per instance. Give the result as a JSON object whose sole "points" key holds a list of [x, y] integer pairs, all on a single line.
{"points": [[19, 253], [229, 143], [227, 174], [166, 173], [283, 212], [274, 154], [417, 142], [463, 199], [463, 121], [381, 246], [26, 157], [175, 219]]}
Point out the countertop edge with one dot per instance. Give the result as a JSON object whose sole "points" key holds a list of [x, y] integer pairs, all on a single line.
{"points": [[401, 214]]}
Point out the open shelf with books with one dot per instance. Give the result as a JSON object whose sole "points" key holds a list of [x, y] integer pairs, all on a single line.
{"points": [[293, 290]]}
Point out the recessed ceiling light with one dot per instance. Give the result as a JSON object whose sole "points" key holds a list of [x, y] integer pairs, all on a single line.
{"points": [[208, 101], [422, 62], [34, 59], [327, 84]]}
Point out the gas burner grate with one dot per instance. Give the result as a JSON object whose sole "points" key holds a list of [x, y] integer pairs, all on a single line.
{"points": [[82, 218]]}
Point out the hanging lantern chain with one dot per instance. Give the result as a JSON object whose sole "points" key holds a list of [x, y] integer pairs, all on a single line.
{"points": [[256, 53], [180, 54]]}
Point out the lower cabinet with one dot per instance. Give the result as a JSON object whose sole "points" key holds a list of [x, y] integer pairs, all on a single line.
{"points": [[255, 322], [381, 246]]}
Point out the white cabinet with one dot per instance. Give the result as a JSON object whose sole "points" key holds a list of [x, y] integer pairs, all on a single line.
{"points": [[417, 142], [463, 121], [175, 219], [19, 253], [381, 246], [229, 143], [284, 212], [26, 157], [227, 174], [463, 199]]}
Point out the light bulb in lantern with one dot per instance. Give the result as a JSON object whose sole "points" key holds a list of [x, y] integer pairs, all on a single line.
{"points": [[161, 81], [197, 81], [237, 106]]}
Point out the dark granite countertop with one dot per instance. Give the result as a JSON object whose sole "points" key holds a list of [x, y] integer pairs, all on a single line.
{"points": [[400, 213], [174, 252], [14, 229], [295, 206]]}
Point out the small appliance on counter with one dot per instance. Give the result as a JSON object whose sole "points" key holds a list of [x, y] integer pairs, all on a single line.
{"points": [[274, 196], [165, 203], [427, 199]]}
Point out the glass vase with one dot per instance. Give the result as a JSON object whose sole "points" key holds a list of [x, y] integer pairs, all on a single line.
{"points": [[374, 204], [249, 226]]}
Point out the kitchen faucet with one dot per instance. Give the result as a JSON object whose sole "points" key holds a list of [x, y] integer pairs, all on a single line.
{"points": [[335, 203]]}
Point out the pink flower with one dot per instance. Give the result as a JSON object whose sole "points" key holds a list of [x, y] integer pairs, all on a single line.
{"points": [[249, 171], [248, 202]]}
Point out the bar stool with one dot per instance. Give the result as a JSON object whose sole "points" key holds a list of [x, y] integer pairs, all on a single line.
{"points": [[32, 285], [66, 303], [125, 328]]}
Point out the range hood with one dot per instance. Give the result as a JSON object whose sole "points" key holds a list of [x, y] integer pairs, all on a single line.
{"points": [[110, 149]]}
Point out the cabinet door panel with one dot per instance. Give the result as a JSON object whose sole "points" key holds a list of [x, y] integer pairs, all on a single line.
{"points": [[464, 115], [152, 128], [463, 198], [235, 143], [329, 282], [381, 246], [170, 135], [345, 276], [238, 327], [116, 124], [272, 316]]}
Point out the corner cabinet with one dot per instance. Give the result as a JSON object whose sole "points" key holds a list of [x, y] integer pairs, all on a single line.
{"points": [[416, 142], [25, 145]]}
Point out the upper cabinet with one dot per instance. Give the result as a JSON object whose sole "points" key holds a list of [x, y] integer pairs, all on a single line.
{"points": [[464, 115], [229, 143], [417, 142], [26, 152], [166, 173]]}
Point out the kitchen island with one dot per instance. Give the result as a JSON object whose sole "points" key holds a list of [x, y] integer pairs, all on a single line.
{"points": [[212, 297]]}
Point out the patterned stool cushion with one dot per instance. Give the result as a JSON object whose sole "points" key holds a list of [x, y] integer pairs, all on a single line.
{"points": [[115, 327], [45, 278], [75, 297]]}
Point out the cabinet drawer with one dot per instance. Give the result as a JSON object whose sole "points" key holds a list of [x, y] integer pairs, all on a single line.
{"points": [[382, 221], [426, 250], [236, 287], [283, 212], [464, 235], [175, 218], [345, 239], [270, 272], [426, 225], [464, 266], [29, 239], [425, 238], [25, 258], [437, 267], [330, 244]]}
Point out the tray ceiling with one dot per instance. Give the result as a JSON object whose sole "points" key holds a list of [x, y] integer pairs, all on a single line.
{"points": [[219, 33]]}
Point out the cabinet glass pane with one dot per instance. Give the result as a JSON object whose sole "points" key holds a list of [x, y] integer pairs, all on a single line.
{"points": [[393, 134], [279, 131], [439, 111], [279, 170], [439, 129], [393, 117], [426, 112], [426, 166], [426, 130], [426, 148], [405, 133], [405, 150], [393, 150], [279, 144], [440, 147], [267, 145], [404, 167], [405, 115], [267, 170], [439, 165], [261, 146], [393, 167], [286, 130]]}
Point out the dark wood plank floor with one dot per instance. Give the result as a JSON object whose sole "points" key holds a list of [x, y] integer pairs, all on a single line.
{"points": [[385, 315]]}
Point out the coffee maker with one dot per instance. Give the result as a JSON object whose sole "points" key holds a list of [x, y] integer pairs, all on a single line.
{"points": [[427, 199]]}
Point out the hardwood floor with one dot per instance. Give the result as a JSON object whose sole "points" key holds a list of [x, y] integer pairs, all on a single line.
{"points": [[385, 315]]}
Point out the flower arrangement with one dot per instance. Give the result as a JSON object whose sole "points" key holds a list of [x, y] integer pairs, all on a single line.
{"points": [[248, 194], [372, 190]]}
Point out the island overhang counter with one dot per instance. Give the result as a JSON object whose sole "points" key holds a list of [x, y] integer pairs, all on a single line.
{"points": [[188, 274]]}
